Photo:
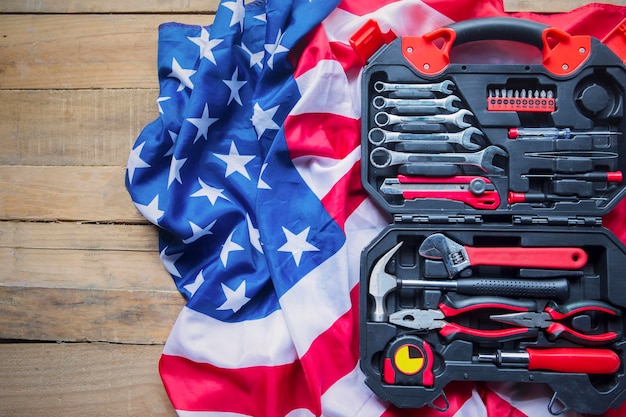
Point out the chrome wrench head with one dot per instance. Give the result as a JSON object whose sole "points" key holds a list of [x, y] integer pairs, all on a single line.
{"points": [[439, 247], [487, 159], [464, 138]]}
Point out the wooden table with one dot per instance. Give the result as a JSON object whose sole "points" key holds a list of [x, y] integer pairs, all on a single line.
{"points": [[85, 303]]}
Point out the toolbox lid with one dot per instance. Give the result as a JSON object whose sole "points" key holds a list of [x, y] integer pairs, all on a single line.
{"points": [[446, 132]]}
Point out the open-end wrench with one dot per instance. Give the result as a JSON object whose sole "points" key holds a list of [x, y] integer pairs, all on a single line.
{"points": [[383, 158], [457, 119], [444, 87], [378, 136], [446, 103], [457, 257]]}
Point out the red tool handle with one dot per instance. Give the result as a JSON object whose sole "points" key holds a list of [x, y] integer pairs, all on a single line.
{"points": [[550, 258], [574, 360], [451, 308], [558, 330], [489, 200], [454, 331]]}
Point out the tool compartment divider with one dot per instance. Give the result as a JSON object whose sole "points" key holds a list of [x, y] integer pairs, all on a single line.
{"points": [[496, 177]]}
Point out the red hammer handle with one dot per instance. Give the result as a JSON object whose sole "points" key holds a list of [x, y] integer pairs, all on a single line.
{"points": [[549, 258]]}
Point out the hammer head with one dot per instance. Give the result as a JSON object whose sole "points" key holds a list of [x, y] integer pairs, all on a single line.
{"points": [[382, 283], [439, 247]]}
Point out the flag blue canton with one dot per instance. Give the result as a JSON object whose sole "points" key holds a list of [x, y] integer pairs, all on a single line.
{"points": [[237, 226]]}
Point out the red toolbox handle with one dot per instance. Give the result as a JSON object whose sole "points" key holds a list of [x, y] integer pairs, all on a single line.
{"points": [[562, 53]]}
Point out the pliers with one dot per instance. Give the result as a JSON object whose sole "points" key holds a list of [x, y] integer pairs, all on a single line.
{"points": [[597, 323], [435, 319]]}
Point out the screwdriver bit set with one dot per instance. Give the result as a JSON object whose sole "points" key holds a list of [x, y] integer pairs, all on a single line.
{"points": [[496, 266]]}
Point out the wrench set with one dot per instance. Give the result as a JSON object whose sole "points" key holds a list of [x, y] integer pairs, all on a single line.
{"points": [[496, 266]]}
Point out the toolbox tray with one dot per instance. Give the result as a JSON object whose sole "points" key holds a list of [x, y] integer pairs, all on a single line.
{"points": [[522, 191]]}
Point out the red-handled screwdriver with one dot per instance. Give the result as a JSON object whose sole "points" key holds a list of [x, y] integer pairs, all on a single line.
{"points": [[568, 360], [615, 176], [553, 133]]}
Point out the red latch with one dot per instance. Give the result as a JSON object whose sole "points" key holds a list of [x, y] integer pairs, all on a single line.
{"points": [[616, 40], [563, 53], [368, 39]]}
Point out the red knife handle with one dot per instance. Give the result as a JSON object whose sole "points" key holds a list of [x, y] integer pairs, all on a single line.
{"points": [[574, 360], [535, 257], [489, 200]]}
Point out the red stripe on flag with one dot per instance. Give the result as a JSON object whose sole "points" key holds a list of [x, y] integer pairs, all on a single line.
{"points": [[497, 406], [321, 134], [361, 8], [194, 386], [469, 9], [345, 196], [317, 49], [258, 390]]}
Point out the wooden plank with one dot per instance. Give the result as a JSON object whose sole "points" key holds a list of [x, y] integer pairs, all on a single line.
{"points": [[109, 6], [72, 127], [553, 6], [75, 315], [90, 51], [66, 193], [67, 235], [77, 380]]}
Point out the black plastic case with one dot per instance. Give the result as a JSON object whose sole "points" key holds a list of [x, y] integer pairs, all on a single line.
{"points": [[523, 191]]}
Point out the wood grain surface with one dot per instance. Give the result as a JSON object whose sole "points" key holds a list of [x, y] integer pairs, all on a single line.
{"points": [[85, 303]]}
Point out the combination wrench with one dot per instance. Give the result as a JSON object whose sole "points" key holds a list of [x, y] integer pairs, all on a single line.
{"points": [[444, 87], [446, 103], [383, 119], [378, 136], [382, 158]]}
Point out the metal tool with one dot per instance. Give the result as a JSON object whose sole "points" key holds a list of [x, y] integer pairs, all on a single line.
{"points": [[378, 136], [382, 158], [382, 283], [457, 257], [444, 87], [477, 192], [573, 154], [614, 176], [457, 119], [409, 360], [567, 360], [601, 320], [553, 133], [446, 103], [438, 319]]}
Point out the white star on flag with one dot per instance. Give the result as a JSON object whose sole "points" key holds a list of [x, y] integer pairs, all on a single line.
{"points": [[263, 119], [275, 48], [262, 185], [256, 58], [234, 85], [209, 192], [174, 137], [193, 287], [239, 12], [253, 233], [235, 162], [161, 100], [135, 162], [174, 173], [297, 244], [229, 246], [197, 232], [169, 262], [235, 299], [206, 45], [202, 123], [151, 211], [182, 75]]}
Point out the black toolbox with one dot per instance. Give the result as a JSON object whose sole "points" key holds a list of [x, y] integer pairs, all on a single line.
{"points": [[496, 266]]}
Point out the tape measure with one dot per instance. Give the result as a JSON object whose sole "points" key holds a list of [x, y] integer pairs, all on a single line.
{"points": [[408, 360]]}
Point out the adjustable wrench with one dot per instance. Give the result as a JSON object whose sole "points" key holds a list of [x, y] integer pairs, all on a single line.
{"points": [[444, 87], [446, 103], [457, 119], [378, 136], [383, 158], [457, 257]]}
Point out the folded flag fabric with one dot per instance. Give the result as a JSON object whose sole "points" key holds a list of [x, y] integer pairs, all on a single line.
{"points": [[252, 174]]}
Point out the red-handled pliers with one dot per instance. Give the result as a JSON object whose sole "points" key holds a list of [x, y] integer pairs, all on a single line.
{"points": [[603, 321], [435, 319]]}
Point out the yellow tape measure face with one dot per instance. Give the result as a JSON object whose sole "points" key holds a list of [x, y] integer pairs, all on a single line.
{"points": [[409, 359]]}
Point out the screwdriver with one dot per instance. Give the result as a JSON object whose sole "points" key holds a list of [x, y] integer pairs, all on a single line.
{"points": [[615, 176], [552, 133], [505, 287], [569, 360]]}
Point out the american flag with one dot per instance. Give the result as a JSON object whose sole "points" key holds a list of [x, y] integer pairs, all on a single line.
{"points": [[252, 174]]}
